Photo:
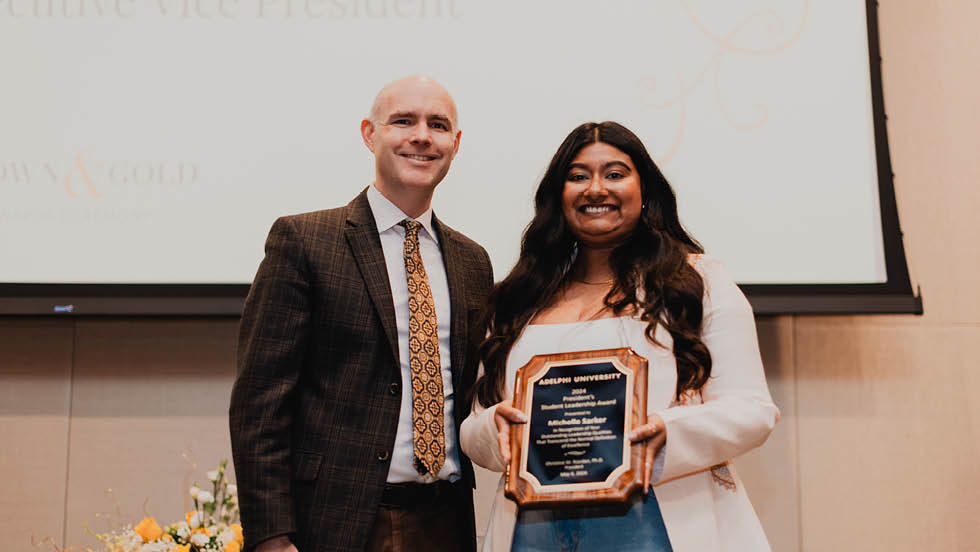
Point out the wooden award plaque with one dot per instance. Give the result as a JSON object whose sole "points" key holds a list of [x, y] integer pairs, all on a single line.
{"points": [[575, 447]]}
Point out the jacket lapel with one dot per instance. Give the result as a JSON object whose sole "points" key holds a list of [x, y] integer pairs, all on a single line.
{"points": [[451, 256], [362, 237]]}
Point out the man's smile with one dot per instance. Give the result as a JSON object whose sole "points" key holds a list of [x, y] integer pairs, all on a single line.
{"points": [[418, 157]]}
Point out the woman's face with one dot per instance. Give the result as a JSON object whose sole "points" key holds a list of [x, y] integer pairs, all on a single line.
{"points": [[602, 199]]}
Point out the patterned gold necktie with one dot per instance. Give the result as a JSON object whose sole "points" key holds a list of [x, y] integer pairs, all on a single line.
{"points": [[423, 358]]}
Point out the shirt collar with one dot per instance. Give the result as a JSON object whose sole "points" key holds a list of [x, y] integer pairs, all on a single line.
{"points": [[387, 215]]}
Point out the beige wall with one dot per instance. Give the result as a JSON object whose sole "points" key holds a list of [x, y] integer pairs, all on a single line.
{"points": [[94, 405], [876, 450]]}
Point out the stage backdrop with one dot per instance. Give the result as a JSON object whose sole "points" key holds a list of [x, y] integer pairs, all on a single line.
{"points": [[153, 142]]}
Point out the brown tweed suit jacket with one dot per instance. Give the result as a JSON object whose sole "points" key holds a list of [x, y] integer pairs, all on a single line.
{"points": [[315, 406]]}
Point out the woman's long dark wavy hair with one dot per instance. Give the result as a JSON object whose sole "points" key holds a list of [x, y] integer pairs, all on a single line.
{"points": [[653, 259]]}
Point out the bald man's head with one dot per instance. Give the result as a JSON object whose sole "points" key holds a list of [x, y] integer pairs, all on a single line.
{"points": [[412, 84], [413, 133]]}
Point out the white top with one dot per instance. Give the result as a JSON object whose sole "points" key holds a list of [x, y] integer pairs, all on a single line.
{"points": [[604, 333], [387, 216], [702, 500]]}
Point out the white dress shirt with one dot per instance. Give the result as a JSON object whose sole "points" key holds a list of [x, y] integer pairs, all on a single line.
{"points": [[387, 216]]}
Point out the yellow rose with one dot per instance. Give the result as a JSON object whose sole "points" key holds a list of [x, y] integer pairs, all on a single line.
{"points": [[148, 529], [239, 536], [183, 548], [233, 546]]}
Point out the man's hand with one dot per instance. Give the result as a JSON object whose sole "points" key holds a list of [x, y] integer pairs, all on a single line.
{"points": [[504, 417], [276, 544]]}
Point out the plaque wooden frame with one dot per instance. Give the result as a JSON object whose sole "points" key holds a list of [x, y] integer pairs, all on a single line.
{"points": [[525, 489]]}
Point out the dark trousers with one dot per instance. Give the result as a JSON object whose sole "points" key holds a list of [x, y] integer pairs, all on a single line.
{"points": [[422, 518]]}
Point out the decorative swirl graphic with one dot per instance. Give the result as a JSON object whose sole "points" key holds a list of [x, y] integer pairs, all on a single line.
{"points": [[725, 46], [727, 43]]}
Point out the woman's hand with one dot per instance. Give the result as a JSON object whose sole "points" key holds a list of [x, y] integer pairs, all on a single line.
{"points": [[654, 435], [504, 416]]}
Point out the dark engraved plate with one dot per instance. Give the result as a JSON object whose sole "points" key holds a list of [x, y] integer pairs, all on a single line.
{"points": [[575, 449], [578, 413]]}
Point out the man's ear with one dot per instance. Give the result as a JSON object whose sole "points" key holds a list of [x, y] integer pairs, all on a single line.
{"points": [[367, 134], [459, 133]]}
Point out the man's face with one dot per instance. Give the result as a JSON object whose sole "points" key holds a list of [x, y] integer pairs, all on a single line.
{"points": [[413, 135]]}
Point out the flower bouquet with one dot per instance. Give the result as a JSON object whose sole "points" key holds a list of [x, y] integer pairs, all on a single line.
{"points": [[213, 525]]}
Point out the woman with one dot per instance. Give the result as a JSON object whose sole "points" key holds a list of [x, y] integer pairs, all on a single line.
{"points": [[606, 263]]}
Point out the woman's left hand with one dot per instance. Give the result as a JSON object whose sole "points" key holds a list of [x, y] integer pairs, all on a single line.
{"points": [[654, 435]]}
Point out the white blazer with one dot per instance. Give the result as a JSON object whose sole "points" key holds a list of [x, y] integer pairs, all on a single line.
{"points": [[704, 505]]}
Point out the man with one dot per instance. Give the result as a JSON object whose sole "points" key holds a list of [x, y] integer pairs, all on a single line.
{"points": [[354, 360]]}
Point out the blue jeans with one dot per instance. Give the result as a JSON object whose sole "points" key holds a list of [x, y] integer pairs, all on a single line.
{"points": [[637, 526]]}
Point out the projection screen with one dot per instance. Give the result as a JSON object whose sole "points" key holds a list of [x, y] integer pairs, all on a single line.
{"points": [[146, 146]]}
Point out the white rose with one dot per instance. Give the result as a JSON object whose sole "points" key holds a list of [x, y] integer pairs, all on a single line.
{"points": [[226, 536], [183, 529], [200, 539], [205, 497], [132, 540], [232, 489], [195, 490], [195, 521], [213, 475]]}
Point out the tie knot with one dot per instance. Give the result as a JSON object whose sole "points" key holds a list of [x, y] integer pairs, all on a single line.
{"points": [[411, 227]]}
